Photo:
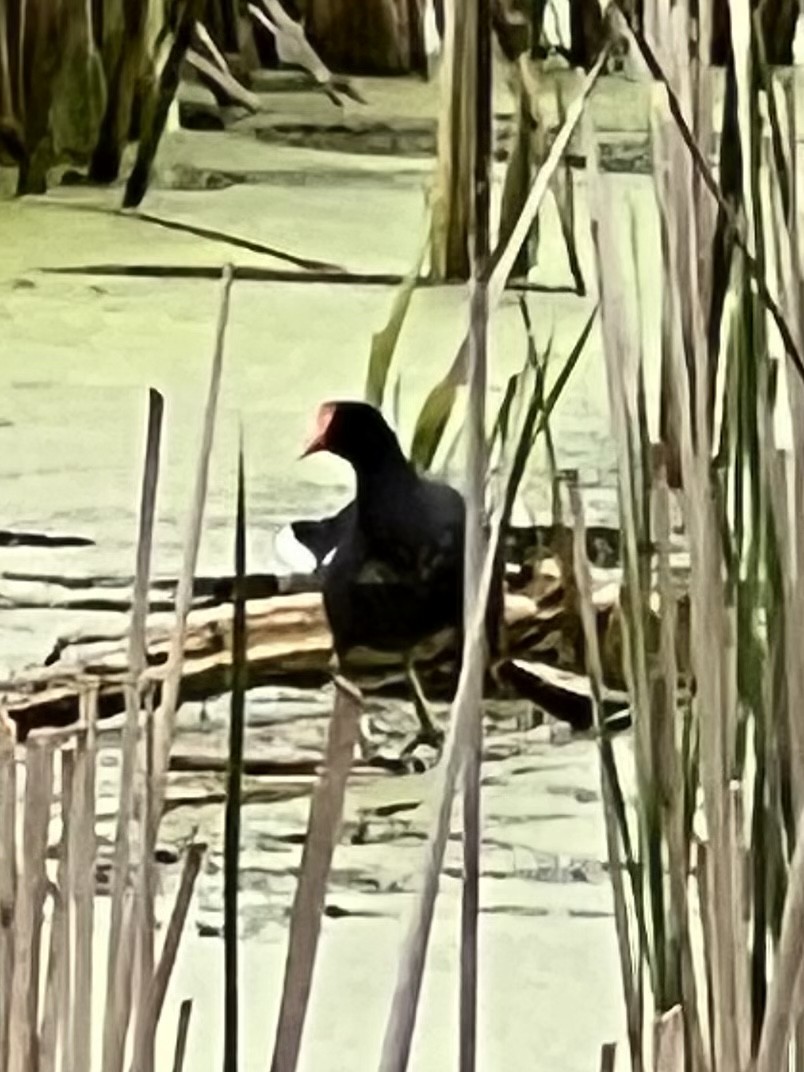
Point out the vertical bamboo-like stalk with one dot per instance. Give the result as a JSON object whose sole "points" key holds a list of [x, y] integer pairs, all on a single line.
{"points": [[185, 1012], [402, 1017], [326, 809], [608, 1056], [629, 971], [121, 941], [6, 98], [782, 1012], [23, 1052], [476, 463], [56, 1017], [124, 51], [231, 848], [501, 264], [82, 882], [671, 775], [144, 921], [164, 719], [189, 12], [668, 1041], [8, 876], [49, 1035], [741, 922], [452, 199], [147, 1023]]}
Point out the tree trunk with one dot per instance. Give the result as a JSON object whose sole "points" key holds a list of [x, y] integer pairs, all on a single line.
{"points": [[367, 36], [79, 95], [452, 200], [778, 28], [124, 57], [38, 64], [587, 32], [778, 24]]}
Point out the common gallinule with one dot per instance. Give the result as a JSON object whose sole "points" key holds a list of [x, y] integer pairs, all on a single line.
{"points": [[391, 561]]}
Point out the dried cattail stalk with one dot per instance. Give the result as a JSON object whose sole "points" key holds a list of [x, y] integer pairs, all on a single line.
{"points": [[8, 876], [146, 1026], [326, 809], [120, 954], [668, 1041], [82, 883], [23, 1051], [164, 718], [185, 1012], [56, 1017]]}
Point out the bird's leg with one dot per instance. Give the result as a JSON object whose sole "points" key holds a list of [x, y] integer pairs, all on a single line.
{"points": [[429, 732]]}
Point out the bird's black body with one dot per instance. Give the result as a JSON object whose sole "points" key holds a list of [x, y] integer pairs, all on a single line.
{"points": [[392, 560]]}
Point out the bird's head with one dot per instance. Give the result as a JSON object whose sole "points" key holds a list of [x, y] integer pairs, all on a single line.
{"points": [[356, 432]]}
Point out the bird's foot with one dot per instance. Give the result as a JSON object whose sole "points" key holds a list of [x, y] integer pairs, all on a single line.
{"points": [[429, 736], [368, 740]]}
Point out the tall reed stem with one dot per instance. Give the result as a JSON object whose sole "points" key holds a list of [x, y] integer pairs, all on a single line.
{"points": [[231, 849], [476, 463]]}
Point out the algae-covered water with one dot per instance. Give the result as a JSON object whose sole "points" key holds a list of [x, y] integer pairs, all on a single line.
{"points": [[77, 355]]}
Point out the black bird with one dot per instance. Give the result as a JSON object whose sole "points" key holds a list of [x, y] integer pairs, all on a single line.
{"points": [[391, 561]]}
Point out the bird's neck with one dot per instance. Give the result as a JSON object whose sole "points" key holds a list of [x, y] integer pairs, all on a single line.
{"points": [[376, 481]]}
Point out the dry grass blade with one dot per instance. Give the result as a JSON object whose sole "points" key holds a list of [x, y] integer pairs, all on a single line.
{"points": [[538, 415], [438, 405], [207, 41], [137, 185], [608, 1056], [118, 984], [146, 1033], [81, 876], [224, 79], [784, 997], [476, 471], [49, 1035], [628, 970], [326, 809], [702, 871], [402, 1016], [24, 1041], [670, 775], [158, 750], [293, 48], [705, 171], [143, 921], [473, 564], [8, 876], [668, 1041], [384, 342], [504, 258], [185, 1012], [165, 716]]}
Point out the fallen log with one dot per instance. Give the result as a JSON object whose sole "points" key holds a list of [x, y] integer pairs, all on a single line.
{"points": [[289, 643]]}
